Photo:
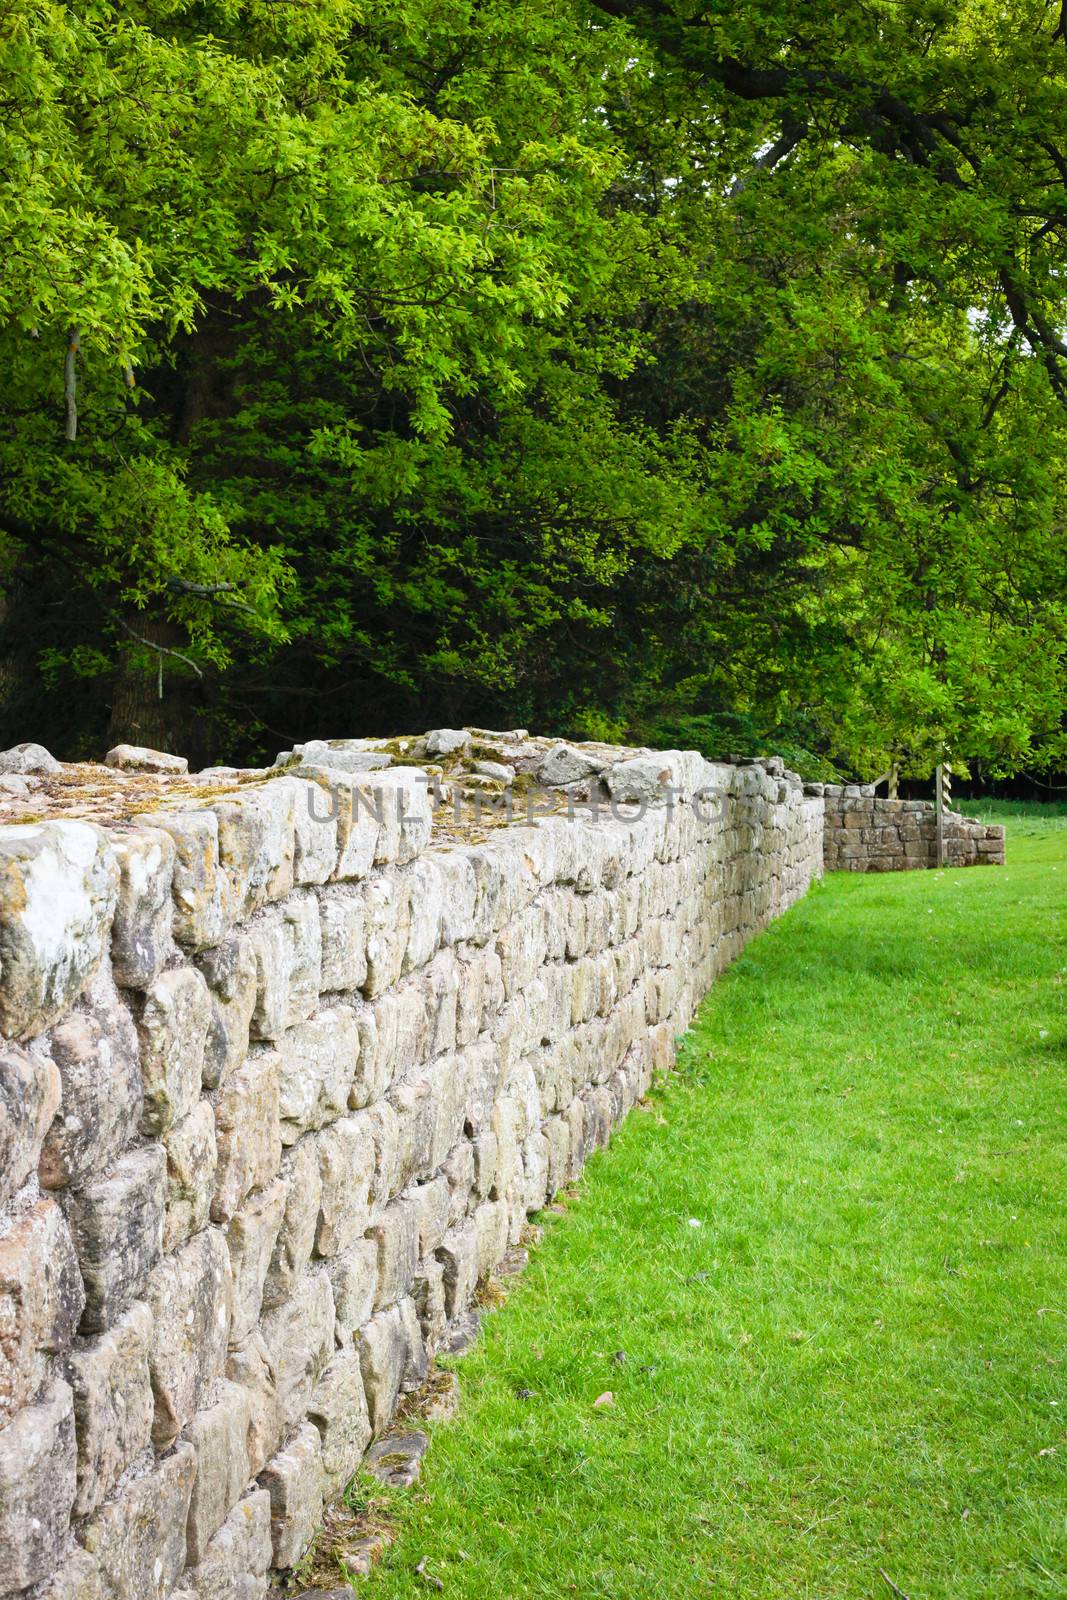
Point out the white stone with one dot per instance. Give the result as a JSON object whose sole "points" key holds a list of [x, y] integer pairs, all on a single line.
{"points": [[141, 758], [294, 1482], [248, 1132], [446, 741], [138, 1538], [113, 1404], [37, 1482], [219, 1434], [299, 1338], [339, 1411], [383, 1352], [346, 1169], [315, 851], [299, 1222], [564, 764], [30, 1088], [354, 1276], [251, 1238], [58, 889], [396, 1238], [344, 939], [202, 912], [231, 975], [257, 843], [234, 1565], [142, 934], [173, 1027], [317, 1065], [287, 941], [28, 757], [495, 769], [191, 1296], [117, 1225]]}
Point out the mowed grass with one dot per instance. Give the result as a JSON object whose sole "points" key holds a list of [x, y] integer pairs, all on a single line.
{"points": [[824, 1278]]}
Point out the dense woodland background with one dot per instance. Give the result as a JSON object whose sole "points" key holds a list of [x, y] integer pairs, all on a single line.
{"points": [[678, 371]]}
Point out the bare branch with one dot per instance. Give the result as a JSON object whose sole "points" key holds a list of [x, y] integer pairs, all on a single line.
{"points": [[784, 145], [160, 649]]}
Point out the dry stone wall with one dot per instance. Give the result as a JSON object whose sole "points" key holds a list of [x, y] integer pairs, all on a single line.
{"points": [[866, 834], [281, 1079]]}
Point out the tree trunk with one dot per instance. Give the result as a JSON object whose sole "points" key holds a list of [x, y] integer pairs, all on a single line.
{"points": [[18, 674], [139, 714]]}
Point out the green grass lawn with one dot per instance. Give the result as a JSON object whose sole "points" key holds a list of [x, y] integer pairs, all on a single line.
{"points": [[823, 1276]]}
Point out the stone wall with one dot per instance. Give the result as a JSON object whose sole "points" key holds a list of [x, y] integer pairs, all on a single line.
{"points": [[866, 834], [280, 1081]]}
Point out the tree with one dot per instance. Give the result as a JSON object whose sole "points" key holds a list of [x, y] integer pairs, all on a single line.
{"points": [[635, 369]]}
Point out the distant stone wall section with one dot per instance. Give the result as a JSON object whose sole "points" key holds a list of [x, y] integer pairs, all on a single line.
{"points": [[279, 1085], [867, 834]]}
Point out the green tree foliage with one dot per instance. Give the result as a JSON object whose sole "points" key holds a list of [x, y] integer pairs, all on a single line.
{"points": [[678, 371]]}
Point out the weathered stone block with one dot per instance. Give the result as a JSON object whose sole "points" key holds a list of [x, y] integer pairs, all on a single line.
{"points": [[339, 1411], [77, 1578], [383, 1354], [416, 1361], [458, 1255], [299, 1338], [230, 972], [173, 1028], [428, 1293], [95, 1048], [396, 1239], [251, 1238], [432, 1204], [219, 1435], [315, 826], [37, 1484], [250, 1366], [354, 1276], [58, 887], [294, 1482], [318, 1062], [563, 764], [113, 1404], [192, 1157], [29, 1098], [234, 1565], [41, 1300], [142, 933], [407, 811], [426, 885], [199, 889], [491, 1232], [248, 1132], [446, 741], [459, 1170], [299, 1222], [28, 757], [358, 826], [384, 1124], [346, 1169], [461, 893], [191, 1296], [257, 841], [344, 939], [388, 911], [141, 758], [138, 1538], [117, 1224], [287, 942]]}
